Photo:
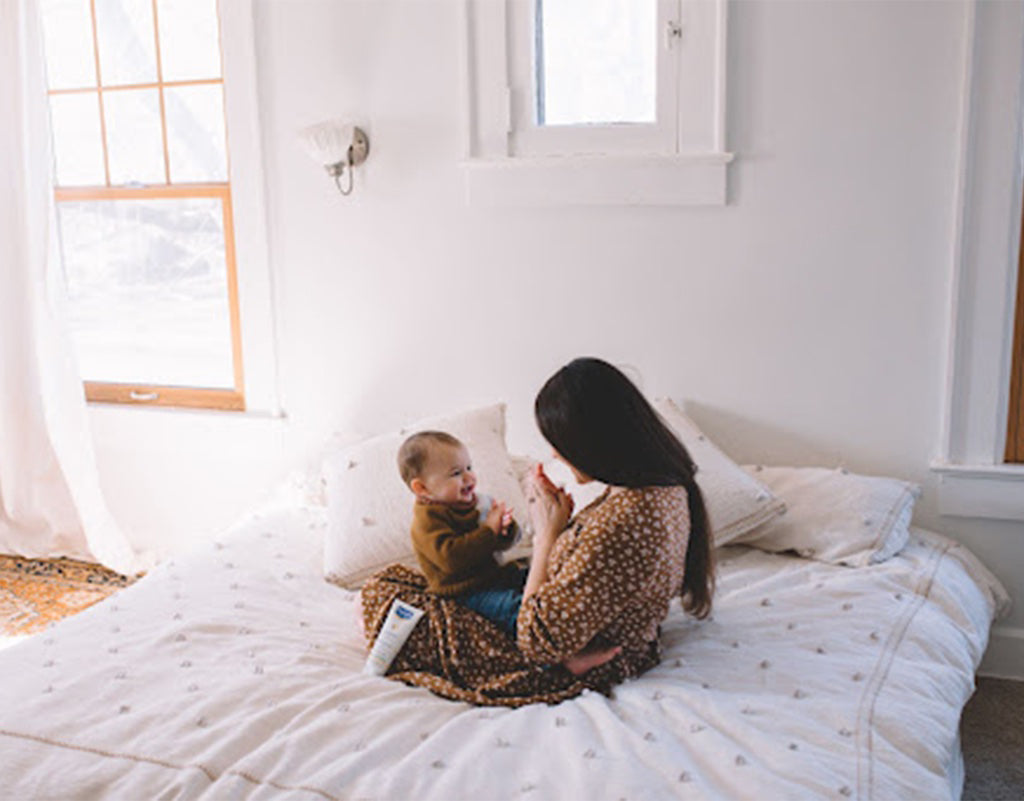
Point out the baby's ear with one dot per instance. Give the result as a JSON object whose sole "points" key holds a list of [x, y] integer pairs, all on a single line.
{"points": [[418, 487]]}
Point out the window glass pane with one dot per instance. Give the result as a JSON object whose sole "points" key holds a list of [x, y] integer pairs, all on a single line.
{"points": [[134, 142], [596, 61], [189, 39], [147, 284], [77, 145], [127, 41], [67, 37], [195, 133]]}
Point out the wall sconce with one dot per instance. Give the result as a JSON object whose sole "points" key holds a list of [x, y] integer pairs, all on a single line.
{"points": [[337, 146]]}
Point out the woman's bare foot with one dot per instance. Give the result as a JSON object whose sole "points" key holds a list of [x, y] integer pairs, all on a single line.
{"points": [[588, 660]]}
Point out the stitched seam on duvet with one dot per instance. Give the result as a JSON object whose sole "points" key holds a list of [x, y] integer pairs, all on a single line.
{"points": [[116, 754], [890, 516], [278, 786], [164, 764], [882, 668]]}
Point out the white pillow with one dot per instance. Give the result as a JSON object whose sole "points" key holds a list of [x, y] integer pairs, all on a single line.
{"points": [[836, 516], [735, 500], [369, 507]]}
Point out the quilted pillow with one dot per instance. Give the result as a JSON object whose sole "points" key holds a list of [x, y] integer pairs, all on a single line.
{"points": [[369, 507], [736, 501], [836, 516]]}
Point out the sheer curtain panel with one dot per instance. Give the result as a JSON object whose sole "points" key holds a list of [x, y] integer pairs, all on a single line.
{"points": [[50, 499]]}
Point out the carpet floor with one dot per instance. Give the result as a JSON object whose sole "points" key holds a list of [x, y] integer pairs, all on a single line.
{"points": [[37, 592], [992, 733]]}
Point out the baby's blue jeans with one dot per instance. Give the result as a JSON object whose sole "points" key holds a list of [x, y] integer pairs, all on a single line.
{"points": [[500, 605]]}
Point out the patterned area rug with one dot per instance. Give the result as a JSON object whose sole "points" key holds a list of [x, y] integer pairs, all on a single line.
{"points": [[37, 592]]}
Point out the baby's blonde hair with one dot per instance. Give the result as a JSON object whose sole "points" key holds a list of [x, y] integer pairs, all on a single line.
{"points": [[415, 451]]}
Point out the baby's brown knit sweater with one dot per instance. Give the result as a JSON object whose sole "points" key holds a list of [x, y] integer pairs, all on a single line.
{"points": [[455, 550]]}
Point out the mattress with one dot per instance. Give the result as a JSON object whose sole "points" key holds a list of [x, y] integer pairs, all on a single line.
{"points": [[235, 672]]}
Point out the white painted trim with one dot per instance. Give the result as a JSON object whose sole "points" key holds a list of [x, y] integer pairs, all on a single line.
{"points": [[255, 278], [960, 215], [999, 472], [599, 181], [1004, 657], [984, 269], [721, 76], [986, 491], [183, 415]]}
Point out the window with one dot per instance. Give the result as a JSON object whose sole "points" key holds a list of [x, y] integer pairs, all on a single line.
{"points": [[595, 78], [144, 203], [596, 101]]}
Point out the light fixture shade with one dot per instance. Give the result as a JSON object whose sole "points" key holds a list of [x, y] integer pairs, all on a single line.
{"points": [[328, 142]]}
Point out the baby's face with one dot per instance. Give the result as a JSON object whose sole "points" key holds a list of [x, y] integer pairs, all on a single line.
{"points": [[448, 477]]}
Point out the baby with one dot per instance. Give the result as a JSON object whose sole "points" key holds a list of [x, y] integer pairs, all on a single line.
{"points": [[457, 534]]}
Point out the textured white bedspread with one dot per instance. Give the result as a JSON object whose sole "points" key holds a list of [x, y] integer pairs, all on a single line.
{"points": [[234, 673]]}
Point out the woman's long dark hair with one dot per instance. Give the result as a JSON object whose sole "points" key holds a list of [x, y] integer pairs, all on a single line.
{"points": [[600, 423]]}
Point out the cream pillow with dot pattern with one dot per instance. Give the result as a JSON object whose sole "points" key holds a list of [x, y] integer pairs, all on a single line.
{"points": [[836, 516], [369, 507], [736, 501]]}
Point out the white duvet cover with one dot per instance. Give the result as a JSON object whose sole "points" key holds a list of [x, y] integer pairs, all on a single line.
{"points": [[234, 672]]}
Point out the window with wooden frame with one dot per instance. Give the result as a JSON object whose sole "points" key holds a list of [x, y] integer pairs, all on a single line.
{"points": [[1015, 413], [143, 199]]}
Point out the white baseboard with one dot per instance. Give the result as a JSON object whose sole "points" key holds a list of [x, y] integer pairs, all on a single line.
{"points": [[1004, 658]]}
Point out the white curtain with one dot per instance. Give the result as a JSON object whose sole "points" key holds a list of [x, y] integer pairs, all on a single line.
{"points": [[50, 498]]}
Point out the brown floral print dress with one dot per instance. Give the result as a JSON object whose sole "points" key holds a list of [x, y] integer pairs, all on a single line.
{"points": [[611, 576]]}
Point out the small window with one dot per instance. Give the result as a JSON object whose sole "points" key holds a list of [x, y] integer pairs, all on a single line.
{"points": [[596, 101], [143, 199], [599, 78]]}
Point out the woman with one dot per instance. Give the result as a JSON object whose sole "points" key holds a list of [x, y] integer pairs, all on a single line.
{"points": [[599, 584], [645, 540]]}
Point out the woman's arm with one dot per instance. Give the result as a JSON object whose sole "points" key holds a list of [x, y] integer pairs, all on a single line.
{"points": [[608, 566], [550, 509]]}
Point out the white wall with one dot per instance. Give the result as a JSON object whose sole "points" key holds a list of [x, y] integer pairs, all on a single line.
{"points": [[805, 322]]}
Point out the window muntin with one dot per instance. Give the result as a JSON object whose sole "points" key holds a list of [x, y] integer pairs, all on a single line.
{"points": [[144, 205]]}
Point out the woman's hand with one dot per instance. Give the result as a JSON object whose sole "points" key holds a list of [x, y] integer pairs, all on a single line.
{"points": [[550, 506], [545, 481]]}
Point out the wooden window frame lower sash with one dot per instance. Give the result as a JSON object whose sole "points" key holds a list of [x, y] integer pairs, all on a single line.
{"points": [[223, 399]]}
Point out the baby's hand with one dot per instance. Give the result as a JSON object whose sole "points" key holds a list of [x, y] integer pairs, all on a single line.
{"points": [[496, 516], [506, 523]]}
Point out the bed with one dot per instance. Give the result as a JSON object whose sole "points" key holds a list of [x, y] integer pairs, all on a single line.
{"points": [[235, 672]]}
